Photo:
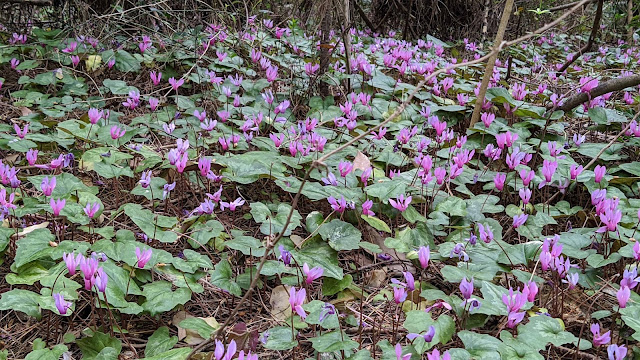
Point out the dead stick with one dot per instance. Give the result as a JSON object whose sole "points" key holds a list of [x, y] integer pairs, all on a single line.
{"points": [[592, 38]]}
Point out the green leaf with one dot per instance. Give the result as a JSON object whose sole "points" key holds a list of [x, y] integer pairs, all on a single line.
{"points": [[193, 323], [92, 346], [221, 277], [280, 338], [248, 245], [333, 341], [318, 253], [173, 354], [376, 223], [453, 206], [34, 246], [480, 346], [275, 224], [152, 224], [160, 342], [46, 354], [118, 87], [125, 62], [541, 330], [24, 301], [331, 286], [159, 297], [340, 235], [387, 189]]}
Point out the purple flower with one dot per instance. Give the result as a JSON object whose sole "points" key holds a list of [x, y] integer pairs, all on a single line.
{"points": [[519, 220], [530, 290], [231, 205], [514, 301], [175, 84], [399, 294], [599, 172], [466, 288], [95, 115], [327, 310], [366, 208], [167, 189], [498, 181], [408, 278], [525, 195], [623, 296], [296, 299], [600, 339], [48, 185], [101, 280], [145, 179], [155, 77], [272, 73], [338, 205], [514, 318], [574, 171], [143, 257], [117, 132], [486, 235], [61, 304], [32, 156], [71, 262], [402, 203], [399, 355], [423, 256], [91, 209], [587, 84], [616, 352], [311, 274], [345, 168], [285, 255]]}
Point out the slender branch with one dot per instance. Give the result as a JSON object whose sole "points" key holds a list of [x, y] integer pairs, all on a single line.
{"points": [[364, 16], [592, 37], [604, 88], [566, 6], [488, 71]]}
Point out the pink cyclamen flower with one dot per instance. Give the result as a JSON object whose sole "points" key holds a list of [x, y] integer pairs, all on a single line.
{"points": [[466, 288], [514, 318], [587, 84], [296, 299], [514, 300], [61, 304], [401, 203], [623, 296], [424, 255], [364, 177], [272, 73], [21, 133], [57, 206], [598, 338], [366, 208], [175, 84], [95, 115], [75, 60], [101, 279], [143, 257], [345, 168], [145, 179], [32, 156], [14, 63], [153, 104], [91, 209], [47, 185], [486, 235], [519, 220], [117, 132], [399, 294], [599, 172], [574, 171], [311, 274], [71, 262], [616, 352], [155, 77], [530, 290], [498, 181], [399, 355], [231, 205], [636, 250]]}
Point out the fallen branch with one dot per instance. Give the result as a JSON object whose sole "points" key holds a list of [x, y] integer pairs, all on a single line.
{"points": [[566, 6], [592, 38], [604, 88], [364, 16], [28, 2]]}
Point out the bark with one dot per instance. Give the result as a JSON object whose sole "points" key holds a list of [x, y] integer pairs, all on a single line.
{"points": [[629, 20], [567, 6], [616, 84]]}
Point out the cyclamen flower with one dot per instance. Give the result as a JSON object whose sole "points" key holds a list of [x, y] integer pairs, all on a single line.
{"points": [[401, 203], [285, 255], [587, 84], [57, 206], [514, 318], [101, 279], [117, 132], [486, 235], [399, 355], [167, 190], [145, 179], [91, 209], [95, 115], [296, 299], [32, 156], [338, 205], [399, 294], [175, 84], [600, 339], [428, 336], [231, 205], [366, 208], [143, 257], [155, 77], [466, 288], [599, 172], [498, 181], [71, 262], [623, 296], [574, 171], [519, 220], [530, 290], [61, 304], [21, 133], [487, 119], [423, 256], [345, 168], [48, 185], [312, 274]]}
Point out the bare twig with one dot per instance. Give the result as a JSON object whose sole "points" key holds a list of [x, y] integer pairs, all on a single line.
{"points": [[566, 6], [592, 37], [604, 88]]}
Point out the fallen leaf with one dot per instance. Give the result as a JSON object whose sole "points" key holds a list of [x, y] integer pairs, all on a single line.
{"points": [[377, 279], [31, 228], [279, 301], [361, 162], [298, 240]]}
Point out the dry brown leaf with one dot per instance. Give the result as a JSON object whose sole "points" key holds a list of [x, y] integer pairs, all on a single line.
{"points": [[189, 336], [298, 240], [378, 277], [279, 301], [25, 111], [361, 162], [31, 228]]}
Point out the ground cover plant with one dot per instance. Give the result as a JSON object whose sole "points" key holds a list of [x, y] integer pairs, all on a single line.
{"points": [[198, 196]]}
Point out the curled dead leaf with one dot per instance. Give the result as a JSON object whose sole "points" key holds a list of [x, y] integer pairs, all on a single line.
{"points": [[279, 301], [361, 162]]}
